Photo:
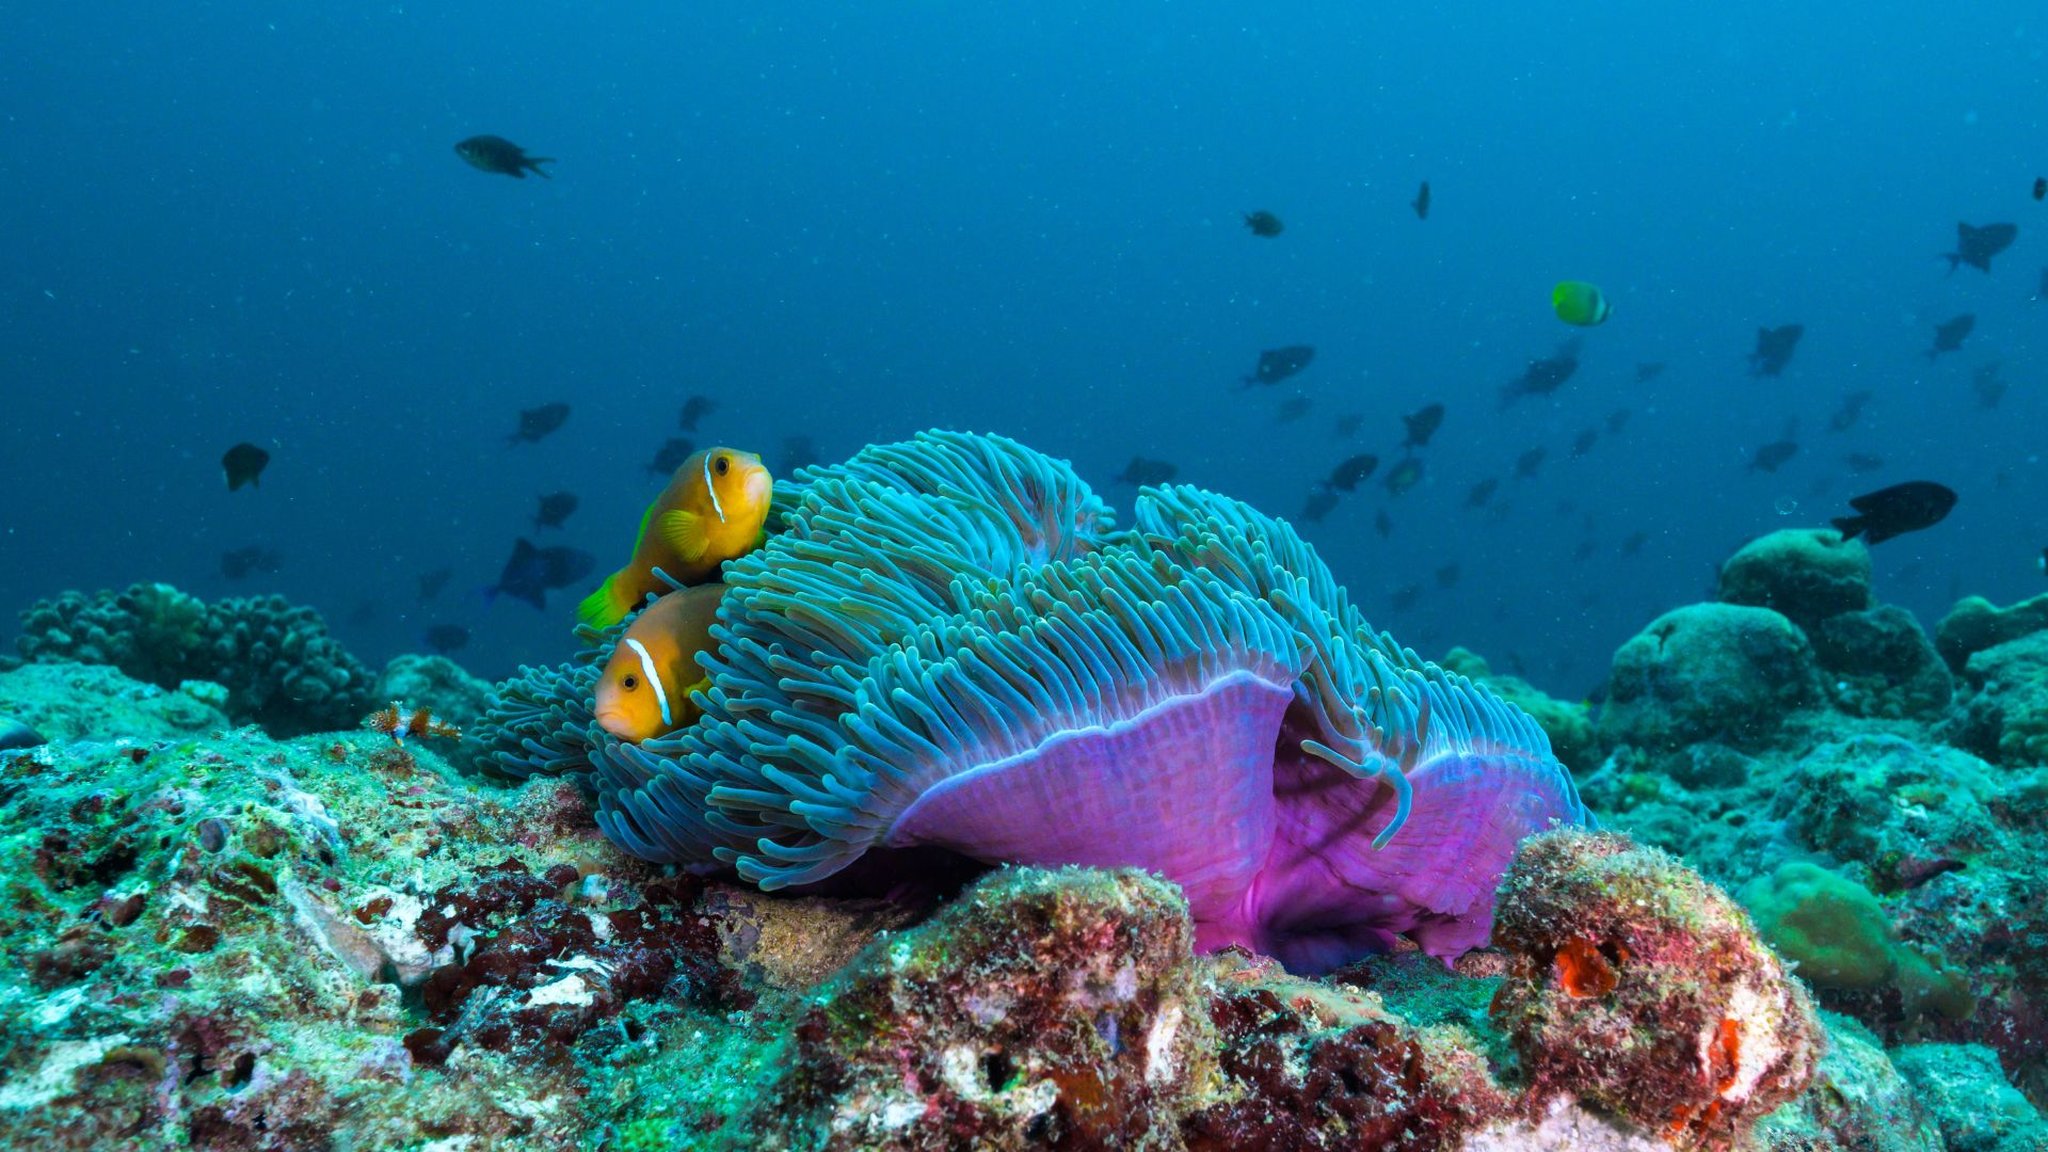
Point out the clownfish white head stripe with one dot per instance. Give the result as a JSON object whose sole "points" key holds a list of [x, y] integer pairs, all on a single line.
{"points": [[712, 488], [653, 679]]}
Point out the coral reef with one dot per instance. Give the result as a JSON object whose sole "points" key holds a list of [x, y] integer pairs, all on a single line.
{"points": [[1720, 673], [280, 667], [950, 628], [1639, 988], [1835, 930], [1975, 624], [1806, 575], [1966, 1091], [1569, 726]]}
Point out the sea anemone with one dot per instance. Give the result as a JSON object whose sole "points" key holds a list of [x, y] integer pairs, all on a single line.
{"points": [[947, 644]]}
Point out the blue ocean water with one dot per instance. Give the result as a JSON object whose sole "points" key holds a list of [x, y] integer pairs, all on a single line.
{"points": [[237, 222]]}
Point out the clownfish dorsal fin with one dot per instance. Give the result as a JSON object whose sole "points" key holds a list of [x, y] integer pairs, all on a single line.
{"points": [[684, 532]]}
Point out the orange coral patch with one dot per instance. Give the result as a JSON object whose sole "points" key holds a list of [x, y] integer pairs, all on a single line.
{"points": [[1582, 971]]}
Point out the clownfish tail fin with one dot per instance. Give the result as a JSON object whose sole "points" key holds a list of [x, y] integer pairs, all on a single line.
{"points": [[601, 609]]}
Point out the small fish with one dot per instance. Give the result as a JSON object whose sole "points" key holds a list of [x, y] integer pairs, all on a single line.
{"points": [[1383, 524], [1422, 424], [1579, 303], [1481, 493], [1405, 475], [1347, 425], [799, 452], [1649, 370], [1421, 202], [399, 722], [1584, 441], [16, 736], [1264, 224], [1544, 376], [531, 572], [1774, 347], [555, 509], [1976, 246], [1319, 504], [1617, 420], [648, 684], [1142, 472], [2040, 187], [1405, 597], [501, 156], [242, 561], [1584, 551], [1988, 384], [1772, 456], [1351, 472], [1447, 576], [714, 509], [670, 456], [431, 583], [1861, 462], [1850, 411], [446, 638], [1527, 464], [1633, 543], [535, 424], [1291, 409], [244, 464], [1896, 510], [1277, 364], [1949, 335], [694, 409]]}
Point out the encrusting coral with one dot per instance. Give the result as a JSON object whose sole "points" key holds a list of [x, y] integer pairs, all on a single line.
{"points": [[946, 644]]}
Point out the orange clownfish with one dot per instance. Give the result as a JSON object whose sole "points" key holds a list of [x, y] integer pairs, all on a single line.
{"points": [[645, 688], [713, 510]]}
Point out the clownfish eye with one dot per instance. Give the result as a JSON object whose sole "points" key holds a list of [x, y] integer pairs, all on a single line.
{"points": [[630, 683], [723, 464]]}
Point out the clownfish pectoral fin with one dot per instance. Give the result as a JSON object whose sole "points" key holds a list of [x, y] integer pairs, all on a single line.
{"points": [[684, 532]]}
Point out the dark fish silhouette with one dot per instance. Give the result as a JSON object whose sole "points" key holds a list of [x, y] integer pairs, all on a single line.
{"points": [[1896, 510], [1141, 472], [499, 155], [1545, 376], [1861, 462], [1774, 347], [2040, 187], [431, 583], [532, 572], [446, 638], [1649, 370], [694, 409], [16, 736], [1264, 224], [1988, 384], [1383, 524], [1527, 464], [1850, 411], [1405, 597], [1422, 424], [1421, 202], [555, 508], [798, 451], [1617, 420], [1949, 335], [1347, 424], [1291, 409], [1447, 576], [1634, 542], [1976, 246], [1481, 493], [1584, 551], [242, 561], [1277, 364], [670, 456], [1405, 475], [1351, 472], [1318, 505], [1584, 441], [536, 424], [244, 464], [1772, 456]]}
